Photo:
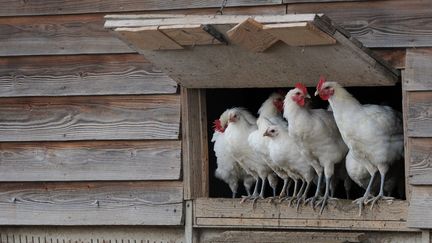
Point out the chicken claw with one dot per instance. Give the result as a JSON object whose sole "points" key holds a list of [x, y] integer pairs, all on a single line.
{"points": [[361, 202], [375, 199]]}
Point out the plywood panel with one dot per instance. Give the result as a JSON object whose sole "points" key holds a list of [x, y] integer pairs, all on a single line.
{"points": [[418, 70], [419, 114], [90, 161], [419, 213], [189, 35], [90, 118], [13, 8], [148, 38], [342, 214], [420, 161], [120, 203], [394, 23], [82, 75]]}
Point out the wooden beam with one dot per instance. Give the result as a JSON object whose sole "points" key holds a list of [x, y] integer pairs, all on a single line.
{"points": [[419, 114], [90, 161], [195, 150], [250, 35], [418, 71], [12, 8], [299, 34], [90, 118], [340, 215], [188, 35], [119, 203], [419, 213], [147, 38], [82, 75]]}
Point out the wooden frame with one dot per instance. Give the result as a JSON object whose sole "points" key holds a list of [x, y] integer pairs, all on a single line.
{"points": [[228, 213]]}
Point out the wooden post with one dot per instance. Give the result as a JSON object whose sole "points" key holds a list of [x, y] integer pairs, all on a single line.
{"points": [[426, 236], [191, 235]]}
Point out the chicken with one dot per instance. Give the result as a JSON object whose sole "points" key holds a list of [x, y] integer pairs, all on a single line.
{"points": [[317, 137], [241, 124], [270, 109], [285, 153], [376, 139], [228, 170]]}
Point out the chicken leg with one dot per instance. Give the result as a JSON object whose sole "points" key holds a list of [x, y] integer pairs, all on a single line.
{"points": [[381, 192], [362, 200]]}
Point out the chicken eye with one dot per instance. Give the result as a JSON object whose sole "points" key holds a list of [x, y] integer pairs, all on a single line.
{"points": [[327, 87], [272, 131], [297, 93]]}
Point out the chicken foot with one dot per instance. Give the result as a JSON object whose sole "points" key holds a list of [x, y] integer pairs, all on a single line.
{"points": [[380, 195], [323, 201], [362, 200]]}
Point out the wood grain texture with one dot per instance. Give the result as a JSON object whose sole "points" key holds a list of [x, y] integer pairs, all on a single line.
{"points": [[384, 23], [57, 35], [120, 203], [407, 141], [89, 234], [418, 70], [394, 56], [90, 161], [189, 35], [82, 75], [51, 7], [419, 213], [340, 215], [420, 161], [90, 118], [194, 144], [419, 114], [148, 38]]}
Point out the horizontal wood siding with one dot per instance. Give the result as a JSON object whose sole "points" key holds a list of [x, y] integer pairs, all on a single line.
{"points": [[95, 161], [120, 203], [418, 93], [81, 75], [14, 8], [90, 118]]}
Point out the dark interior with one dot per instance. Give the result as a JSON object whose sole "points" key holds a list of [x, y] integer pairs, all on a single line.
{"points": [[218, 100]]}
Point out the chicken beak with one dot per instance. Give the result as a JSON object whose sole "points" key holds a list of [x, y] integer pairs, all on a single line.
{"points": [[308, 96], [316, 92], [265, 134]]}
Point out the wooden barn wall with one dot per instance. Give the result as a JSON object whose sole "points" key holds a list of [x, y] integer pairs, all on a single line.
{"points": [[90, 130]]}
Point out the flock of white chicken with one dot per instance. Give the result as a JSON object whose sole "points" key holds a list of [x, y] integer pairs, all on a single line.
{"points": [[348, 142]]}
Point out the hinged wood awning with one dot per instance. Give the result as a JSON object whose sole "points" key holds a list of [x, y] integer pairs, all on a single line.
{"points": [[232, 51]]}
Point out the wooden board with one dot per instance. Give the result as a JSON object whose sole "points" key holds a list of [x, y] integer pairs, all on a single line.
{"points": [[148, 38], [90, 161], [419, 213], [394, 56], [119, 203], [419, 114], [82, 75], [418, 70], [341, 215], [90, 118], [89, 234], [188, 35], [299, 34], [250, 35], [13, 8], [420, 161], [393, 23], [194, 146], [57, 35]]}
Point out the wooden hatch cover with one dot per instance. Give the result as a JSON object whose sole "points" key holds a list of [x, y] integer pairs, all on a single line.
{"points": [[234, 51]]}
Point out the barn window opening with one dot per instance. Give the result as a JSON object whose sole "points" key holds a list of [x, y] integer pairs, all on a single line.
{"points": [[218, 100]]}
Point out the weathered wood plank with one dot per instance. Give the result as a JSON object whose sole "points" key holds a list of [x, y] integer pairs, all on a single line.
{"points": [[384, 23], [148, 38], [419, 213], [90, 118], [119, 203], [394, 56], [420, 161], [189, 35], [418, 70], [89, 234], [407, 141], [90, 161], [54, 35], [342, 214], [419, 114], [82, 75], [14, 8], [194, 144]]}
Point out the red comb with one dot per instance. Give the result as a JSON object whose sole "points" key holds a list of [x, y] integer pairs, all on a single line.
{"points": [[217, 126], [321, 83], [301, 87]]}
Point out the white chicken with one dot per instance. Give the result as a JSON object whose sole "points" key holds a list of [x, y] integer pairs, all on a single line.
{"points": [[241, 124], [317, 137], [228, 170], [269, 110], [285, 153], [376, 139]]}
